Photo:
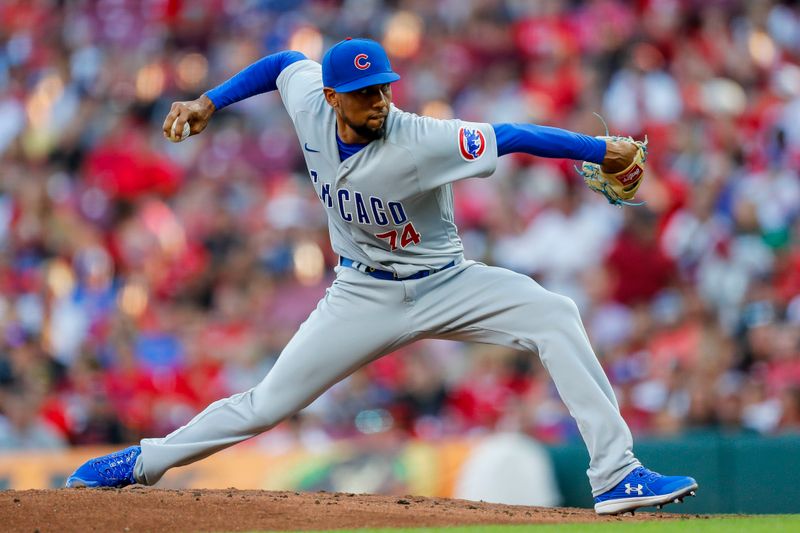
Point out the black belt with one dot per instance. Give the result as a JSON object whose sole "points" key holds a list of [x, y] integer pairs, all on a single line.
{"points": [[385, 274]]}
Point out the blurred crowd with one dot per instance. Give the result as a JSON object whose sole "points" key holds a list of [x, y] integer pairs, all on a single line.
{"points": [[141, 280]]}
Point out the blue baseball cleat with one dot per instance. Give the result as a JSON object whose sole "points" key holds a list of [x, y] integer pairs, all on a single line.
{"points": [[644, 488], [112, 470]]}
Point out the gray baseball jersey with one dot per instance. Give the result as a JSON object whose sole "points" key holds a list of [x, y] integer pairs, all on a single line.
{"points": [[390, 207]]}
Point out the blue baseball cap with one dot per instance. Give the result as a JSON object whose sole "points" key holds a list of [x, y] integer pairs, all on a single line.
{"points": [[353, 64]]}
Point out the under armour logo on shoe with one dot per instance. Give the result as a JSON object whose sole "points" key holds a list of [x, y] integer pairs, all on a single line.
{"points": [[637, 489]]}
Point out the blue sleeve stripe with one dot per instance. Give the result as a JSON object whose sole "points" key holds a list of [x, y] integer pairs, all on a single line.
{"points": [[544, 141], [260, 77]]}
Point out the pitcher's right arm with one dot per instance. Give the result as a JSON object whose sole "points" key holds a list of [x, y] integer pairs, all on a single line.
{"points": [[260, 77]]}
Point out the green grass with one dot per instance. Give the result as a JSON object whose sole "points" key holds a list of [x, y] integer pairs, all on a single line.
{"points": [[750, 524]]}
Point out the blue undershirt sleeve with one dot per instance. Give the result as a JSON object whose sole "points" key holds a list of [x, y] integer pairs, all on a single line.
{"points": [[260, 77], [544, 141]]}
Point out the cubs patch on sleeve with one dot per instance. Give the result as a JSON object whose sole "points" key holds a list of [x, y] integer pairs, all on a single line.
{"points": [[471, 143]]}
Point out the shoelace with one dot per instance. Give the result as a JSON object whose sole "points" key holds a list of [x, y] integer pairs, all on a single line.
{"points": [[648, 475], [115, 466]]}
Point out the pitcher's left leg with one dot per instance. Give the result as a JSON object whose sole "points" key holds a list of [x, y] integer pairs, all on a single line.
{"points": [[497, 306]]}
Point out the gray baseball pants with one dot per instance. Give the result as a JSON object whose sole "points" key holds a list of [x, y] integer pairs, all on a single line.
{"points": [[362, 318]]}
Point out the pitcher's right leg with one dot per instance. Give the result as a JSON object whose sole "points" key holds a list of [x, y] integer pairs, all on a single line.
{"points": [[359, 319]]}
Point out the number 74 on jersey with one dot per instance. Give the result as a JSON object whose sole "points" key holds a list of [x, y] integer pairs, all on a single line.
{"points": [[408, 236]]}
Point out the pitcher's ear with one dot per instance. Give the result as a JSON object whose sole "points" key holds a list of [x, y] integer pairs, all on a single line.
{"points": [[331, 97]]}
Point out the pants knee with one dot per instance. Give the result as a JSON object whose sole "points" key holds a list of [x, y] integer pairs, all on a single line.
{"points": [[270, 407], [563, 309], [258, 414]]}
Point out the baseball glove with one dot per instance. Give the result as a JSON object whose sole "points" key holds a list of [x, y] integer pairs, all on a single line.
{"points": [[620, 187]]}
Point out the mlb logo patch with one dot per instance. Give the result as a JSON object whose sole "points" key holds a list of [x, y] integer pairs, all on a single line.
{"points": [[471, 143]]}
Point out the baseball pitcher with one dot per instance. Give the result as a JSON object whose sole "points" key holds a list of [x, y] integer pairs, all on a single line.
{"points": [[384, 177]]}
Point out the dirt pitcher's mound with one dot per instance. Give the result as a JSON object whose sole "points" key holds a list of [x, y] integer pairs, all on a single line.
{"points": [[147, 509]]}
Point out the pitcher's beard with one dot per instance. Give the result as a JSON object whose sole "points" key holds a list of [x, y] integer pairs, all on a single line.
{"points": [[373, 134]]}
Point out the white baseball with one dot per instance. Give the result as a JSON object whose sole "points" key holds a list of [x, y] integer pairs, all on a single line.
{"points": [[186, 132]]}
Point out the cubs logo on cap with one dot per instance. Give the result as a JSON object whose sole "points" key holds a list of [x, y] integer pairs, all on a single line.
{"points": [[361, 62], [353, 64], [471, 143]]}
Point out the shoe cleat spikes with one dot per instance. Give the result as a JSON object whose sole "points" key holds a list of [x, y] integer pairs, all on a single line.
{"points": [[660, 506], [692, 493]]}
